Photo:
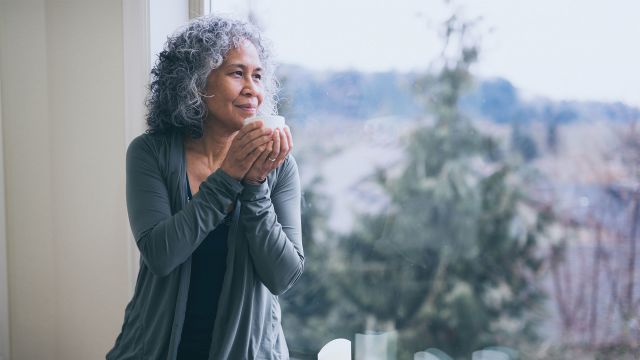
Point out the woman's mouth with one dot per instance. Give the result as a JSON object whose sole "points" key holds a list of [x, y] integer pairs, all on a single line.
{"points": [[248, 109]]}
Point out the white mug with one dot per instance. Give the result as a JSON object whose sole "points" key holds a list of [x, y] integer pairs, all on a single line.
{"points": [[270, 121]]}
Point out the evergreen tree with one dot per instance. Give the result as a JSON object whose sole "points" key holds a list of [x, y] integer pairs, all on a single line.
{"points": [[523, 143], [450, 263]]}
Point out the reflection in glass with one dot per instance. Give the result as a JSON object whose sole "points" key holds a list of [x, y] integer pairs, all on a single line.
{"points": [[376, 346]]}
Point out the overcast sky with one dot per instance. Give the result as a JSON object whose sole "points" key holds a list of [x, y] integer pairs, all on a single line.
{"points": [[563, 49]]}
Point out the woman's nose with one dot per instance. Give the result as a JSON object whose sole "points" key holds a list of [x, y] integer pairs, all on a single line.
{"points": [[250, 88]]}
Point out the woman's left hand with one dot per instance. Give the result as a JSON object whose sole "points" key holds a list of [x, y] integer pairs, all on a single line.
{"points": [[272, 157]]}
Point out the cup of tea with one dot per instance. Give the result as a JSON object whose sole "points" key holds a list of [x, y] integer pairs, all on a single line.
{"points": [[269, 121]]}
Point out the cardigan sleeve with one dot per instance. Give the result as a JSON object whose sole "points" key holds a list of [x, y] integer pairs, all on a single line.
{"points": [[272, 226], [166, 240]]}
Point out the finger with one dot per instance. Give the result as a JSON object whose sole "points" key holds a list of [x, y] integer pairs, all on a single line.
{"points": [[284, 146], [270, 147], [276, 146], [253, 133], [252, 126], [261, 163], [281, 149], [263, 158], [252, 157], [256, 147], [248, 132], [249, 128], [256, 135], [247, 148], [289, 137]]}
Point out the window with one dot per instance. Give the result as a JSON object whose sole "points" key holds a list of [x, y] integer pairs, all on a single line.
{"points": [[471, 176]]}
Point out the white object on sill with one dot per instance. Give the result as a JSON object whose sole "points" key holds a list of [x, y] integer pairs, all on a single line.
{"points": [[338, 349], [421, 355], [376, 346], [489, 355]]}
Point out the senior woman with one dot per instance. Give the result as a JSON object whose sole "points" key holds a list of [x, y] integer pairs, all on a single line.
{"points": [[214, 206]]}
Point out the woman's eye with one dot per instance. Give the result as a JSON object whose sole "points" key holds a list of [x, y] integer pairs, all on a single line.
{"points": [[237, 73], [258, 76]]}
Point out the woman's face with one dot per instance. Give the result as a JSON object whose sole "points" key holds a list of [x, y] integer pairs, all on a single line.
{"points": [[235, 89]]}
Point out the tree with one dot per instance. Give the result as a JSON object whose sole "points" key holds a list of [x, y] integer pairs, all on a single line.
{"points": [[594, 279], [451, 263], [523, 143]]}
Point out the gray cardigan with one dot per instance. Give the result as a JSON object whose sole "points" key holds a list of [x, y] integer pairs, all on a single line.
{"points": [[264, 259]]}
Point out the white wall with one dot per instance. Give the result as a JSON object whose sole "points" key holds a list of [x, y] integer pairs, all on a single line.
{"points": [[4, 287], [62, 89], [28, 193]]}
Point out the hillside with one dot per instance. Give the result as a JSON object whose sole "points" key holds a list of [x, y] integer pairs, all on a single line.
{"points": [[353, 95]]}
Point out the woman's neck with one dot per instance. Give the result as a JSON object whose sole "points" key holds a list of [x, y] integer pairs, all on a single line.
{"points": [[211, 148]]}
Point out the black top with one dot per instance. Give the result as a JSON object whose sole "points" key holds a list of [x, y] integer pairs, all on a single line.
{"points": [[208, 265]]}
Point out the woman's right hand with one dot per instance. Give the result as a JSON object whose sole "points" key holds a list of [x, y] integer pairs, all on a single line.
{"points": [[251, 141]]}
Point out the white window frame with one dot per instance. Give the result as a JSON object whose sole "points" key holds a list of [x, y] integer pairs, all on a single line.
{"points": [[136, 24], [5, 350], [199, 8]]}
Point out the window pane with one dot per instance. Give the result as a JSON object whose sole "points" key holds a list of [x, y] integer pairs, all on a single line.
{"points": [[471, 176]]}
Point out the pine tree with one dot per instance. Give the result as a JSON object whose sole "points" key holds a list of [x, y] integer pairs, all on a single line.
{"points": [[450, 263]]}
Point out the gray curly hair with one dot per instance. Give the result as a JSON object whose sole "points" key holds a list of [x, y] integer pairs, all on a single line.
{"points": [[179, 77]]}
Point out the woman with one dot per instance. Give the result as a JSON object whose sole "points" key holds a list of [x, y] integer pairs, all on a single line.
{"points": [[214, 206]]}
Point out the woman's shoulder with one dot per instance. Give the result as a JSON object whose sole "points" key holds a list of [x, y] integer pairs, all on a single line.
{"points": [[162, 149], [150, 143]]}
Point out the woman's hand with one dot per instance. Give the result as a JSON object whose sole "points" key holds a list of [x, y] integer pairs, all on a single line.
{"points": [[272, 157], [249, 144]]}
